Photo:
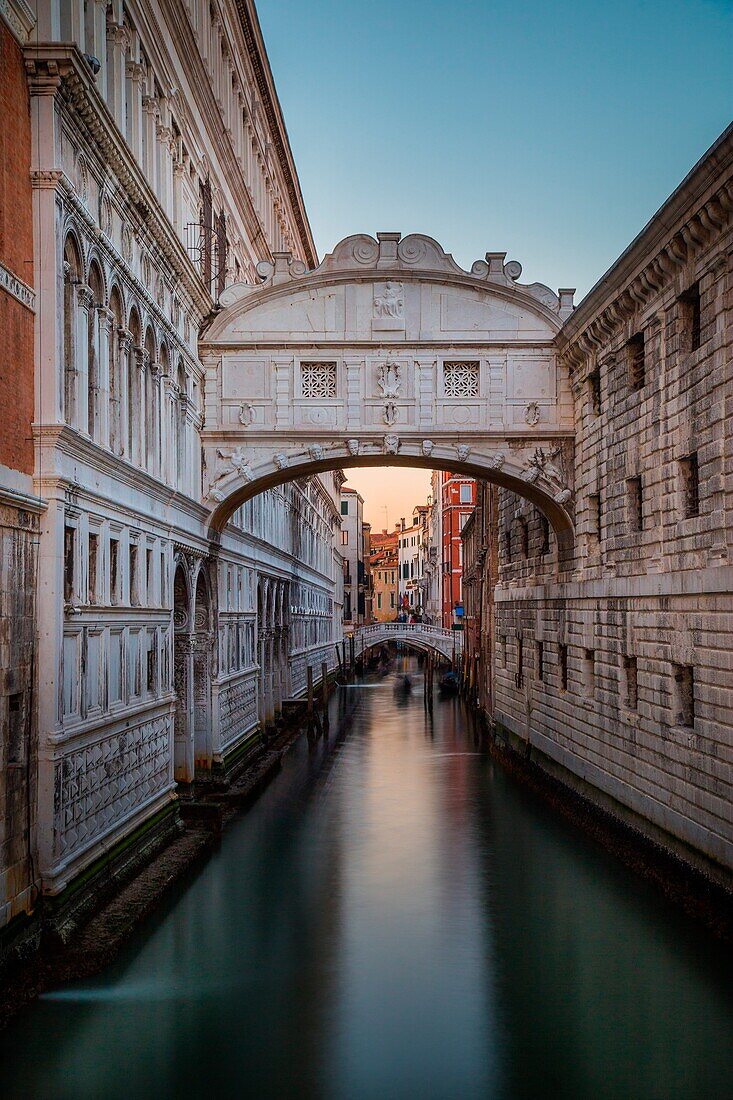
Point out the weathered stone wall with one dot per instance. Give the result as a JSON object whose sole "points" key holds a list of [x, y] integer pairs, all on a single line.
{"points": [[621, 670]]}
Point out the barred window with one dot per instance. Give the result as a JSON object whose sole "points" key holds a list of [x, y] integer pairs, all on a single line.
{"points": [[461, 379], [319, 379]]}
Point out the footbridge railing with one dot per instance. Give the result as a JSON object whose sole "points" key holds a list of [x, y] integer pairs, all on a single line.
{"points": [[448, 643]]}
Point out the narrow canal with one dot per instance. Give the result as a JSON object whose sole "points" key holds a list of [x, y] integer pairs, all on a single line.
{"points": [[395, 918]]}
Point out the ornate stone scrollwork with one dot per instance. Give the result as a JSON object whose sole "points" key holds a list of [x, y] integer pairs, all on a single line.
{"points": [[532, 413], [390, 414], [549, 465], [246, 414], [388, 378]]}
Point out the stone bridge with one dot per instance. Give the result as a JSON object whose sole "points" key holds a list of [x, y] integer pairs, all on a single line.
{"points": [[388, 353], [448, 643]]}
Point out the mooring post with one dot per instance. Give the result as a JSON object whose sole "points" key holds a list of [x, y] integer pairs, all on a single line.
{"points": [[309, 712], [324, 694], [352, 658], [343, 648]]}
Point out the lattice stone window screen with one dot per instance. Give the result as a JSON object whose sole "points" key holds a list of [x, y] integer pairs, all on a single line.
{"points": [[461, 379], [318, 379]]}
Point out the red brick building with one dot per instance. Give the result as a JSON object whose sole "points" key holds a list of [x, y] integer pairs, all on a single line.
{"points": [[455, 496], [19, 508]]}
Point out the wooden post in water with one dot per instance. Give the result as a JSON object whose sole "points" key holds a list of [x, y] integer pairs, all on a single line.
{"points": [[324, 694], [309, 711], [352, 659], [343, 648]]}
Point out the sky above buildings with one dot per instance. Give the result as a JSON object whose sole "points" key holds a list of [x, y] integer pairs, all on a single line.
{"points": [[551, 131]]}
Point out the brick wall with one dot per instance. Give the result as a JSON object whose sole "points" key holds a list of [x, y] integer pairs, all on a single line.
{"points": [[16, 254]]}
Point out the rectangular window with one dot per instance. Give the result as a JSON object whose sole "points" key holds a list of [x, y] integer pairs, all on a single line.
{"points": [[132, 570], [152, 665], [16, 739], [344, 507], [544, 534], [114, 571], [563, 658], [690, 316], [391, 600], [461, 379], [684, 695], [634, 504], [92, 567], [344, 538], [507, 544], [632, 686], [594, 515], [594, 391], [466, 494], [635, 360], [519, 676], [163, 584], [689, 476], [540, 651], [523, 538], [69, 557], [149, 577], [502, 651], [589, 671], [379, 601]]}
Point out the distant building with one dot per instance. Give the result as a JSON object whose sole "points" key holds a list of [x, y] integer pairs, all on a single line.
{"points": [[384, 565], [454, 496], [412, 549], [352, 549], [365, 576]]}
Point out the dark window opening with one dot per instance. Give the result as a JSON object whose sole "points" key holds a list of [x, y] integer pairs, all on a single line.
{"points": [[92, 568], [684, 695], [222, 253], [152, 669], [149, 575], [540, 660], [689, 472], [632, 686], [519, 677], [544, 534], [69, 556], [507, 544], [589, 669], [635, 504], [524, 538], [635, 354], [344, 507], [114, 570], [690, 310], [563, 667], [594, 391], [206, 231], [133, 574], [594, 510]]}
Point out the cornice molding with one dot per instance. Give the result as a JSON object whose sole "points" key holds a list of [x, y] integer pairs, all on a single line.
{"points": [[273, 112], [678, 234], [19, 18]]}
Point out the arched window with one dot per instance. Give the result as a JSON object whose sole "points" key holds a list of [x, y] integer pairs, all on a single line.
{"points": [[72, 279], [96, 285], [151, 403], [117, 371], [180, 415], [133, 395]]}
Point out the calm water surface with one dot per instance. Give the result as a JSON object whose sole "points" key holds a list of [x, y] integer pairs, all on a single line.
{"points": [[395, 918]]}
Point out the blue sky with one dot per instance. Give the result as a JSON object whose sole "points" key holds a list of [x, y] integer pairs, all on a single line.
{"points": [[551, 131]]}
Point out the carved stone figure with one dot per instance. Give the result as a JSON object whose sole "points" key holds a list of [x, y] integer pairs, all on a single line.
{"points": [[240, 463], [390, 414], [388, 379], [498, 460], [316, 452], [390, 303], [391, 444], [532, 413], [280, 460], [427, 447], [463, 451], [550, 466], [352, 446]]}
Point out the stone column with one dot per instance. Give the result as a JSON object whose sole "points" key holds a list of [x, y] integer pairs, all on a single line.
{"points": [[120, 436], [135, 78], [98, 45], [149, 109], [117, 43], [106, 329], [83, 319]]}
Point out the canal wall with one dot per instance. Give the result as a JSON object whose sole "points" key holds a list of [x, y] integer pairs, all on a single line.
{"points": [[617, 673]]}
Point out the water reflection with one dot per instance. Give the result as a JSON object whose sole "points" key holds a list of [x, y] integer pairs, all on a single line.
{"points": [[394, 918]]}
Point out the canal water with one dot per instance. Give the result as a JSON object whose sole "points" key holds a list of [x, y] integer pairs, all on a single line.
{"points": [[395, 918]]}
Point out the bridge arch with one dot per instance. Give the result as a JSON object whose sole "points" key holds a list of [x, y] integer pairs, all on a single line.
{"points": [[388, 353], [423, 636]]}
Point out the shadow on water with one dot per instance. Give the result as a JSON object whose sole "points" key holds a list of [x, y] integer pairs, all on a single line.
{"points": [[395, 917]]}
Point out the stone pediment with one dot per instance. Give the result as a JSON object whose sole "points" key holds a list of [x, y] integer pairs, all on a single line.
{"points": [[390, 288]]}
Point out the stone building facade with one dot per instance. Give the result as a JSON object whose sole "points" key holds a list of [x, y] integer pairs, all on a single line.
{"points": [[383, 567], [615, 667], [20, 508], [160, 173]]}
